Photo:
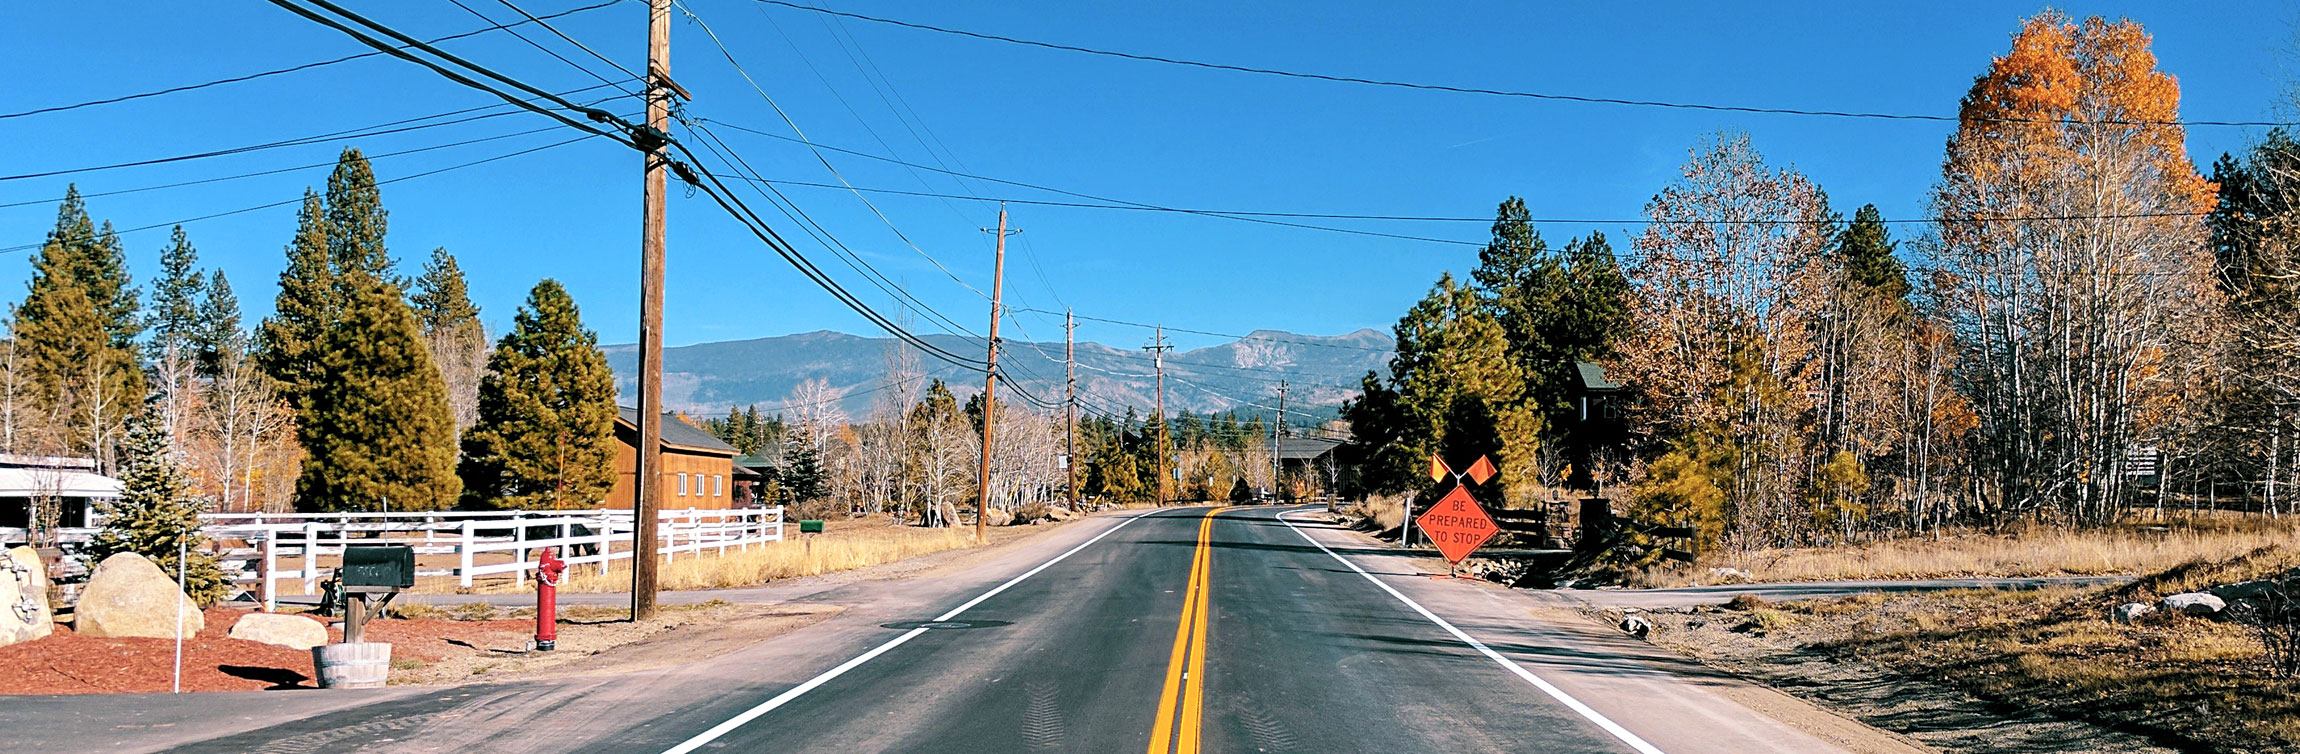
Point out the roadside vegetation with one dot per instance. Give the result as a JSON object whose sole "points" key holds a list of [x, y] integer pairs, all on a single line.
{"points": [[2178, 681], [843, 546], [2025, 551]]}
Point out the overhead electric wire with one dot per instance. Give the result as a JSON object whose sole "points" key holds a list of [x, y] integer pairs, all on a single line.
{"points": [[802, 139], [692, 170], [546, 24], [547, 50], [244, 210], [276, 171], [822, 235], [628, 131], [290, 69], [404, 125], [1495, 92]]}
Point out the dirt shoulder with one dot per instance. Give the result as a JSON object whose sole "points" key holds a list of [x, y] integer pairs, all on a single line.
{"points": [[2013, 671]]}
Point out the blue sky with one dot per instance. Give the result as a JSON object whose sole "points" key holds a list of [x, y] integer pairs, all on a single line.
{"points": [[1145, 132]]}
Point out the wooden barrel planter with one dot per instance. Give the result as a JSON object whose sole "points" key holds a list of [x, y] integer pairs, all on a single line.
{"points": [[361, 665]]}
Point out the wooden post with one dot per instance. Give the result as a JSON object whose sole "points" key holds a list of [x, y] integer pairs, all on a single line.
{"points": [[990, 386], [649, 443]]}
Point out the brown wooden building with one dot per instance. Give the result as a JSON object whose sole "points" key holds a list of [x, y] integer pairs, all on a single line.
{"points": [[698, 469]]}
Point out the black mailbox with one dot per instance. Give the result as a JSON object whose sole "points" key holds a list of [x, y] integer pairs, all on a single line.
{"points": [[377, 567]]}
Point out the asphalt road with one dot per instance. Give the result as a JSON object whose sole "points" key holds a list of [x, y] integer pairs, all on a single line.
{"points": [[1182, 630]]}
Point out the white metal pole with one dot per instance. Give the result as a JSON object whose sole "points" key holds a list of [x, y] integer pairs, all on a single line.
{"points": [[182, 541]]}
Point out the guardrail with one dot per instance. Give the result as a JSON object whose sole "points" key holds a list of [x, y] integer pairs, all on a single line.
{"points": [[509, 540]]}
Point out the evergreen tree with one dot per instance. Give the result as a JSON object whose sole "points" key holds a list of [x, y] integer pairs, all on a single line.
{"points": [[158, 512], [309, 303], [75, 333], [452, 331], [442, 301], [356, 220], [545, 436], [218, 331], [1459, 394], [375, 425], [1865, 249], [801, 477], [175, 318]]}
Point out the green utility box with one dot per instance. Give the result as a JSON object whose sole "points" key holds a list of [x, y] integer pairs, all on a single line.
{"points": [[810, 527]]}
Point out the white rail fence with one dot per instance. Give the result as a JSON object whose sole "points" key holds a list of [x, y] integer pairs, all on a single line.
{"points": [[264, 550]]}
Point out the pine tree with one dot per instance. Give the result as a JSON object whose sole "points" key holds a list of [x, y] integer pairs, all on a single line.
{"points": [[158, 512], [75, 333], [801, 477], [375, 426], [218, 332], [309, 303], [356, 220], [175, 318], [545, 436], [452, 331], [1865, 249]]}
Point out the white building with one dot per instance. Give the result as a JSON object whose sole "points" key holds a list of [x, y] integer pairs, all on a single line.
{"points": [[71, 483]]}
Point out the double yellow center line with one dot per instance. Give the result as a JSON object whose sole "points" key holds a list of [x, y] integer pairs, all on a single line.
{"points": [[1185, 692]]}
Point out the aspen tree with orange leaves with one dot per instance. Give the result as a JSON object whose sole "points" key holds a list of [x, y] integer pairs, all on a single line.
{"points": [[2078, 320]]}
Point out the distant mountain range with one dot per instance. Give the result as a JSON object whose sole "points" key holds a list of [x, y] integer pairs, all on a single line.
{"points": [[709, 378]]}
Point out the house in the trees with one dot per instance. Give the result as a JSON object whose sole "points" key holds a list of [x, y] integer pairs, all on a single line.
{"points": [[70, 485], [1311, 466], [1597, 431], [698, 469], [755, 474]]}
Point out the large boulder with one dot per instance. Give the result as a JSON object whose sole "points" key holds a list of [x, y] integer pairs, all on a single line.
{"points": [[24, 614], [996, 517], [128, 596], [2130, 611], [2193, 603], [291, 631]]}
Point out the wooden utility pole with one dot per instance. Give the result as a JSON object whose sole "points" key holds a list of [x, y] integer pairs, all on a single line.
{"points": [[649, 466], [990, 386], [1070, 408], [1158, 349], [1278, 447]]}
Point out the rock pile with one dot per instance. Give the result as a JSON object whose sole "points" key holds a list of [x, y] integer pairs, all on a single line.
{"points": [[24, 614]]}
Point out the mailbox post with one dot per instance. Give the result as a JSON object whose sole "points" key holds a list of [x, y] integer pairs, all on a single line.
{"points": [[367, 570]]}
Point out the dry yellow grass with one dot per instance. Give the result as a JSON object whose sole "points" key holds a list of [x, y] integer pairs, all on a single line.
{"points": [[2034, 552], [1382, 513], [846, 545]]}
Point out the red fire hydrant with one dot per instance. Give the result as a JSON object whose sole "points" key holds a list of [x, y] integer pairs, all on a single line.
{"points": [[549, 570]]}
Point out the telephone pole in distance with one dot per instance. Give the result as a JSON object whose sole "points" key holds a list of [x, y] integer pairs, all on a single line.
{"points": [[1070, 422], [1158, 349], [990, 385]]}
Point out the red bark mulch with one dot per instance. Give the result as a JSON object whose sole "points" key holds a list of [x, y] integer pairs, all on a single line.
{"points": [[68, 663]]}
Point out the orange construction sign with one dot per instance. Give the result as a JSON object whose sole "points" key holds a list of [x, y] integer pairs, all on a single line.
{"points": [[1482, 470], [1438, 470], [1457, 524]]}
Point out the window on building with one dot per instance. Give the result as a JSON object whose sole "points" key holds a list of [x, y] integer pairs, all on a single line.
{"points": [[718, 485], [682, 483]]}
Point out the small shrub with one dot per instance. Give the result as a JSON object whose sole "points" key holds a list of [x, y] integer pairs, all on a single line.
{"points": [[414, 611], [1747, 603], [473, 611]]}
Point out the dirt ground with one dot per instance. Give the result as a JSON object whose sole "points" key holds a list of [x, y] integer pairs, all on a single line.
{"points": [[442, 647]]}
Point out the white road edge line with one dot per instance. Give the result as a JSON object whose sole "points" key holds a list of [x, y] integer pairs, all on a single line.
{"points": [[1554, 692], [785, 698]]}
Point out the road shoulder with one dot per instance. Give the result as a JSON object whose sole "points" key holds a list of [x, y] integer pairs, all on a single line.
{"points": [[1609, 670]]}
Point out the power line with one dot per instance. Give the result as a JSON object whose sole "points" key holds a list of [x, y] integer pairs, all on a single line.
{"points": [[290, 69], [1498, 92], [546, 50], [380, 129], [244, 210], [276, 171]]}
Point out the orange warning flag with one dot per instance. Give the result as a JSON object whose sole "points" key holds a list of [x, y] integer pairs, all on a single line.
{"points": [[1481, 471], [1438, 470]]}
